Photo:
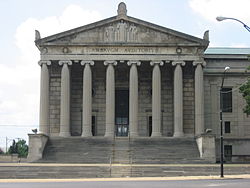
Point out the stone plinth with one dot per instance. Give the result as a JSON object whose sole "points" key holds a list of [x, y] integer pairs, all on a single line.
{"points": [[37, 144], [206, 146]]}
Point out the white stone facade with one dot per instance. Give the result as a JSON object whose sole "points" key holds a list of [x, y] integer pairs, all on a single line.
{"points": [[173, 85]]}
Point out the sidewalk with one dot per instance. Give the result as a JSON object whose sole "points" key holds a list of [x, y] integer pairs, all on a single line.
{"points": [[127, 165]]}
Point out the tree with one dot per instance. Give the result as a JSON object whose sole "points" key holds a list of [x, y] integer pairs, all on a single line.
{"points": [[20, 148], [245, 91], [13, 148]]}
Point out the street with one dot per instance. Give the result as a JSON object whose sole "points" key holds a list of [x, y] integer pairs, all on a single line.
{"points": [[224, 183]]}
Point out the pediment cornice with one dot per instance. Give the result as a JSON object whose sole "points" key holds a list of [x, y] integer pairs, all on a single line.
{"points": [[121, 30]]}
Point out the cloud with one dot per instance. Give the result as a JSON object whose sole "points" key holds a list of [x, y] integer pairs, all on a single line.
{"points": [[20, 81], [210, 9]]}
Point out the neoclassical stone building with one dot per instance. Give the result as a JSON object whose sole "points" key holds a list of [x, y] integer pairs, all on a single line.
{"points": [[126, 77], [122, 74]]}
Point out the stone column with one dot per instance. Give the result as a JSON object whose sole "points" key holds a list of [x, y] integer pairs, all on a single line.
{"points": [[44, 98], [133, 98], [178, 99], [87, 99], [199, 97], [156, 98], [110, 98], [65, 99]]}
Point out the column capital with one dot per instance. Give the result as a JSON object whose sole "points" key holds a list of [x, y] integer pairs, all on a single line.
{"points": [[44, 62], [138, 63], [152, 63], [87, 62], [65, 62], [201, 62], [182, 63], [110, 62]]}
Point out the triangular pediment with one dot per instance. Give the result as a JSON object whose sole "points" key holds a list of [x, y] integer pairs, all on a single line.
{"points": [[119, 31]]}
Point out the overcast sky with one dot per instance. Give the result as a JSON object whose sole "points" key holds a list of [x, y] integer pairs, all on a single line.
{"points": [[20, 73]]}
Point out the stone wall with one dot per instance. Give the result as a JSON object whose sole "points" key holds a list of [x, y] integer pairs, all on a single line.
{"points": [[145, 97], [76, 99], [99, 97], [9, 158], [234, 78], [188, 99], [54, 98]]}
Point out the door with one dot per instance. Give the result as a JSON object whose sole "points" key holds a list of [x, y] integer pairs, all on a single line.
{"points": [[122, 112]]}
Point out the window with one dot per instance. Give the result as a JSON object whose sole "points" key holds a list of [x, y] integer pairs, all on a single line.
{"points": [[228, 151], [226, 99], [93, 125], [227, 127], [149, 125]]}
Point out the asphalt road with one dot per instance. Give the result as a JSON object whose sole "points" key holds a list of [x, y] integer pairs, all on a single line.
{"points": [[225, 183]]}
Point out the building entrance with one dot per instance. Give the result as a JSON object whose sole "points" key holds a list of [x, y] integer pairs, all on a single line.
{"points": [[122, 112]]}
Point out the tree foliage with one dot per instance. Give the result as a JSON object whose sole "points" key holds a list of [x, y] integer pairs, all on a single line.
{"points": [[20, 148], [245, 91]]}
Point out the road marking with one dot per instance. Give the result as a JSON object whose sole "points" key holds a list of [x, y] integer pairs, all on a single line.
{"points": [[245, 176]]}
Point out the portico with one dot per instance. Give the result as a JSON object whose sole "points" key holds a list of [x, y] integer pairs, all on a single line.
{"points": [[154, 96], [83, 70]]}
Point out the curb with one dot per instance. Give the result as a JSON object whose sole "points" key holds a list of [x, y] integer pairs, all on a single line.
{"points": [[179, 178]]}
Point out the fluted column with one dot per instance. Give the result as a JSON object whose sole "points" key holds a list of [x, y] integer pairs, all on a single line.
{"points": [[65, 99], [178, 99], [156, 98], [44, 98], [133, 98], [110, 98], [199, 97], [87, 99]]}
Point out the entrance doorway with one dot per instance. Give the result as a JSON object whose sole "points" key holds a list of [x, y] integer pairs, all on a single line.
{"points": [[122, 112]]}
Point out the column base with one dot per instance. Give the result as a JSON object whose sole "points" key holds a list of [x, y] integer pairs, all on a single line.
{"points": [[133, 134], [178, 134], [64, 134], [87, 134], [156, 134], [109, 134]]}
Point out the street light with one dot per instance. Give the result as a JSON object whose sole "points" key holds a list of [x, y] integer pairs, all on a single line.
{"points": [[221, 18], [221, 125]]}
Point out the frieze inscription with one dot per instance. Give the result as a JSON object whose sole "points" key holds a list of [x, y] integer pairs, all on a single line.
{"points": [[121, 50]]}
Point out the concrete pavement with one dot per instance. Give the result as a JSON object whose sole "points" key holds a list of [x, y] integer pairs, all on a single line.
{"points": [[135, 165], [242, 176]]}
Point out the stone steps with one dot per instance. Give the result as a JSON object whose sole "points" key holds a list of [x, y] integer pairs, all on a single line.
{"points": [[43, 172], [122, 150]]}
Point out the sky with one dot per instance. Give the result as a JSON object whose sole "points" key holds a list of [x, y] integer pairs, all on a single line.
{"points": [[19, 69]]}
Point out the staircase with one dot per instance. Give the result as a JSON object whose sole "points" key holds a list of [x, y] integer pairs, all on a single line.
{"points": [[77, 150], [165, 151], [121, 154], [118, 157], [122, 150]]}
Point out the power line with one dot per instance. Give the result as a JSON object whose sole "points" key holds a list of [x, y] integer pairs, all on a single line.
{"points": [[12, 125]]}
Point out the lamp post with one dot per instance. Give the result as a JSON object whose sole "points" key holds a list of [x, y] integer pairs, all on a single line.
{"points": [[221, 125], [221, 18]]}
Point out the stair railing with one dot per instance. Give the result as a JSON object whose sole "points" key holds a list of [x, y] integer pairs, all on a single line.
{"points": [[130, 155], [110, 166], [112, 155]]}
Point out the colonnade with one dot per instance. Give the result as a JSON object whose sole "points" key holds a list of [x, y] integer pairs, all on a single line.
{"points": [[110, 98]]}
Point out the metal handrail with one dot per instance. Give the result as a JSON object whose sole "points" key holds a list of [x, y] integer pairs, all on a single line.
{"points": [[130, 156], [110, 166]]}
